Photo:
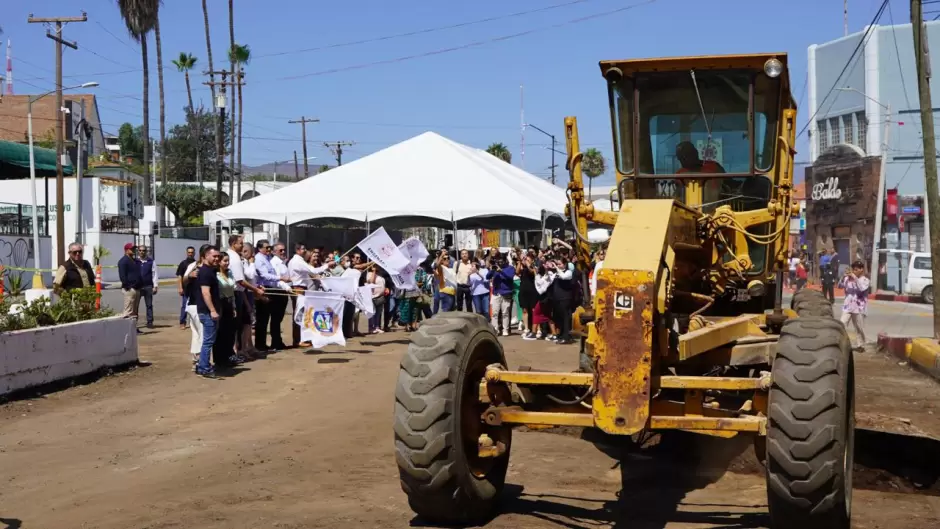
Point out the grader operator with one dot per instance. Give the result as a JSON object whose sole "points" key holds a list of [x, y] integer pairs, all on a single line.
{"points": [[686, 330]]}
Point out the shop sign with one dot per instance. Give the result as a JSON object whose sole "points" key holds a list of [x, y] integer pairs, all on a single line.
{"points": [[828, 190]]}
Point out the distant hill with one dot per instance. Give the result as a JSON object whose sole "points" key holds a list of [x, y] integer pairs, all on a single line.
{"points": [[285, 171]]}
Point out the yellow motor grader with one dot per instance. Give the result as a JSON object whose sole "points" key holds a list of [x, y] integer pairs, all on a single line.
{"points": [[686, 330]]}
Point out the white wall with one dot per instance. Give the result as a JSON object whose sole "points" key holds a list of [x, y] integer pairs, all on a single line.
{"points": [[169, 252], [114, 242], [46, 354], [17, 251]]}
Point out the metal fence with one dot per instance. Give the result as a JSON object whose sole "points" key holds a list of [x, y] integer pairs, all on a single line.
{"points": [[119, 224], [17, 219]]}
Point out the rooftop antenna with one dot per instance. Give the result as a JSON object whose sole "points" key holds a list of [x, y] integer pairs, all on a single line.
{"points": [[9, 67], [522, 123]]}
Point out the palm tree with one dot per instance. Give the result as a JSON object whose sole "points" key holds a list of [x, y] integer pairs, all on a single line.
{"points": [[156, 36], [231, 34], [240, 55], [500, 151], [184, 63], [215, 115], [140, 17], [593, 163]]}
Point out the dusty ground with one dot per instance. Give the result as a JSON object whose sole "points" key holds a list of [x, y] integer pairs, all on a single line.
{"points": [[305, 440]]}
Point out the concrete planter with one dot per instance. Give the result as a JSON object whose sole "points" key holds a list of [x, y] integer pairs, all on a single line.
{"points": [[38, 356]]}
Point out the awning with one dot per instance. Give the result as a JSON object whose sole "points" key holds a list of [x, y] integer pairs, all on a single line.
{"points": [[17, 155]]}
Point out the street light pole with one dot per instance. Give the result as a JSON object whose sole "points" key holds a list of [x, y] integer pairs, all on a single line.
{"points": [[552, 136], [37, 277]]}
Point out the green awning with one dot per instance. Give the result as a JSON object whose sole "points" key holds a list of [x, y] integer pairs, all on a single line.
{"points": [[17, 155]]}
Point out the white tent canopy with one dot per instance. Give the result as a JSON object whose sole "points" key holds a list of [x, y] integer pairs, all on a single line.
{"points": [[427, 180]]}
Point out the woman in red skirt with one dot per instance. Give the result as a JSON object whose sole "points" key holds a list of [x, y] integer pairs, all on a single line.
{"points": [[542, 311]]}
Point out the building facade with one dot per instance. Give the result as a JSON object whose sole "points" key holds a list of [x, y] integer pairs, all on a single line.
{"points": [[873, 109]]}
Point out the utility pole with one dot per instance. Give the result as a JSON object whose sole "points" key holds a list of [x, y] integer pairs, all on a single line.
{"points": [[880, 201], [930, 149], [60, 123], [81, 131], [220, 102], [337, 148], [303, 130], [297, 167]]}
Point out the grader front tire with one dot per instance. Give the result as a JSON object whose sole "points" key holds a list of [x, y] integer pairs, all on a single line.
{"points": [[438, 421], [810, 438]]}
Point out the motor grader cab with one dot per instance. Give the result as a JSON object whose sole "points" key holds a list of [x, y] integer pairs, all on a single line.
{"points": [[686, 331]]}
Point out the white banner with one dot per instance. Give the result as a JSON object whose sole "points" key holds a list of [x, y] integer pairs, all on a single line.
{"points": [[345, 286], [379, 248], [363, 300], [405, 279], [322, 323]]}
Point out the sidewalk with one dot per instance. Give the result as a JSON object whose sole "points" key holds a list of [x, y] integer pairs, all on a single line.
{"points": [[880, 295]]}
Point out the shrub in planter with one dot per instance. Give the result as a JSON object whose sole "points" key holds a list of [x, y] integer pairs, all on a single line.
{"points": [[72, 306]]}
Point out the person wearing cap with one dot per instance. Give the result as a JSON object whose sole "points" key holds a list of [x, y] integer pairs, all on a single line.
{"points": [[129, 272]]}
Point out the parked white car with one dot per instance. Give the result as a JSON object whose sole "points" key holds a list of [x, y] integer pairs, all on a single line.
{"points": [[919, 277]]}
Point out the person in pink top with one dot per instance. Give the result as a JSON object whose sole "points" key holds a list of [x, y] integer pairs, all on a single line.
{"points": [[857, 287]]}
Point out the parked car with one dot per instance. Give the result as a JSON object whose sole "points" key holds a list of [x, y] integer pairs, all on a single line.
{"points": [[919, 277]]}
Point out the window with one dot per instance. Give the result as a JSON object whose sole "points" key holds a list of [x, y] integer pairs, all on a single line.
{"points": [[862, 125], [847, 129], [823, 135], [621, 104], [671, 119], [834, 131], [922, 263]]}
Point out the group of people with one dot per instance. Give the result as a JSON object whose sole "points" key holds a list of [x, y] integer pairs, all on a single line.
{"points": [[548, 290]]}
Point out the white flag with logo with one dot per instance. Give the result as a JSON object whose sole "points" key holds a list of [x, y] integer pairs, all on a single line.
{"points": [[363, 300], [322, 323], [345, 286], [380, 249], [415, 251]]}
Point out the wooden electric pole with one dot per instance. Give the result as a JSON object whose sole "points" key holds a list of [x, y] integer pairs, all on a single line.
{"points": [[930, 149], [220, 103], [337, 148], [296, 168], [59, 126], [303, 129]]}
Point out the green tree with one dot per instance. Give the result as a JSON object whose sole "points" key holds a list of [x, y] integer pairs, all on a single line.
{"points": [[240, 54], [140, 17], [500, 151], [190, 148], [46, 141], [184, 63], [323, 168], [593, 163], [215, 120], [186, 202], [130, 140]]}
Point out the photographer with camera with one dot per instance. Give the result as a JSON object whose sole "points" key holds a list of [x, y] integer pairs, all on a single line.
{"points": [[503, 277]]}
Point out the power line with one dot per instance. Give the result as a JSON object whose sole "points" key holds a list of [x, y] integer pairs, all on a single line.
{"points": [[122, 41], [897, 51], [861, 42], [468, 45], [424, 31]]}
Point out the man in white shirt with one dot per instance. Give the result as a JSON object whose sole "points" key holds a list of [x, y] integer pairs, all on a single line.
{"points": [[301, 275], [236, 266], [279, 301], [601, 254]]}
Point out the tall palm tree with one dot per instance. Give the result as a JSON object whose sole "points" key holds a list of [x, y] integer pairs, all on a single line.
{"points": [[140, 17], [231, 159], [500, 151], [593, 163], [184, 63], [215, 115], [156, 37], [241, 55]]}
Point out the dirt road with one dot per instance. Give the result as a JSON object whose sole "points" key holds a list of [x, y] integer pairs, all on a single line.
{"points": [[305, 440]]}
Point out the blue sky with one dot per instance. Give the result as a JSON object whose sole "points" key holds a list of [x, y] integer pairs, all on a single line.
{"points": [[470, 95]]}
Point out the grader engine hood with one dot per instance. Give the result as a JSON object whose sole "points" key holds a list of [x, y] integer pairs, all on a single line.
{"points": [[632, 290]]}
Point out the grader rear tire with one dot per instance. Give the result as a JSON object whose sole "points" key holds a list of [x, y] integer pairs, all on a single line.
{"points": [[810, 437], [438, 421], [811, 303]]}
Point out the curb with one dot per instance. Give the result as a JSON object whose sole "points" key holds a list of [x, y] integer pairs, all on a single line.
{"points": [[882, 295], [922, 353]]}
